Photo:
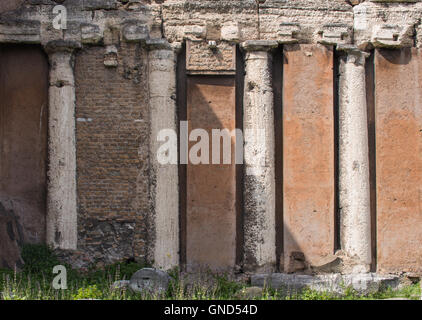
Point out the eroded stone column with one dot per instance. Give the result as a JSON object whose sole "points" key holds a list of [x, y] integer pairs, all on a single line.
{"points": [[354, 188], [259, 179], [164, 192], [61, 198]]}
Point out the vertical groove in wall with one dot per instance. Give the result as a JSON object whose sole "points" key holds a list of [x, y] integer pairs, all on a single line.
{"points": [[277, 75], [182, 116], [336, 70], [240, 80], [370, 100]]}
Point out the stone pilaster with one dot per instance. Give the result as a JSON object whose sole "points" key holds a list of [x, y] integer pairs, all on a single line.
{"points": [[354, 188], [259, 179], [164, 186], [62, 197]]}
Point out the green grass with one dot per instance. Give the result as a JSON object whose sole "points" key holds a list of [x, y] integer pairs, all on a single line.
{"points": [[34, 282], [410, 292]]}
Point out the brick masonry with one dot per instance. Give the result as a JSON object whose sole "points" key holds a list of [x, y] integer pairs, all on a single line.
{"points": [[112, 153]]}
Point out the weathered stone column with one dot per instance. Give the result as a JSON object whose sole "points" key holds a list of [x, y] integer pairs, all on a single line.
{"points": [[259, 179], [62, 198], [164, 192], [354, 188]]}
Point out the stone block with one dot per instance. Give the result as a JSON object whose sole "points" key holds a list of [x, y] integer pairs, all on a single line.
{"points": [[398, 115], [10, 5], [392, 36], [195, 32], [91, 34], [110, 57], [22, 31], [363, 283], [203, 58], [308, 143], [230, 32], [133, 32], [148, 280], [335, 34], [288, 32], [100, 4]]}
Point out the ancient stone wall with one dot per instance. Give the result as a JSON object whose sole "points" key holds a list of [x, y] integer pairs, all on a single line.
{"points": [[112, 125], [333, 85]]}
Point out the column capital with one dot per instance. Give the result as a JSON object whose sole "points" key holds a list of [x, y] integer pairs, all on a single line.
{"points": [[163, 44], [259, 45], [61, 46], [354, 54], [60, 54]]}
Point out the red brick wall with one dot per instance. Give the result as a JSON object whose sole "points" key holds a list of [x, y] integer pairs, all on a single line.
{"points": [[112, 153]]}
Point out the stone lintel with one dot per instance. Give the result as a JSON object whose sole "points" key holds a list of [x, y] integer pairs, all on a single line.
{"points": [[158, 44], [62, 46], [259, 45]]}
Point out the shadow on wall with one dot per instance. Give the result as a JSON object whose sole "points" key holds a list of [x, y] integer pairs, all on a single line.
{"points": [[400, 57], [211, 217]]}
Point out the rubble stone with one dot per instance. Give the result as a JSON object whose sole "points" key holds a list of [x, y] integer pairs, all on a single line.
{"points": [[149, 280]]}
